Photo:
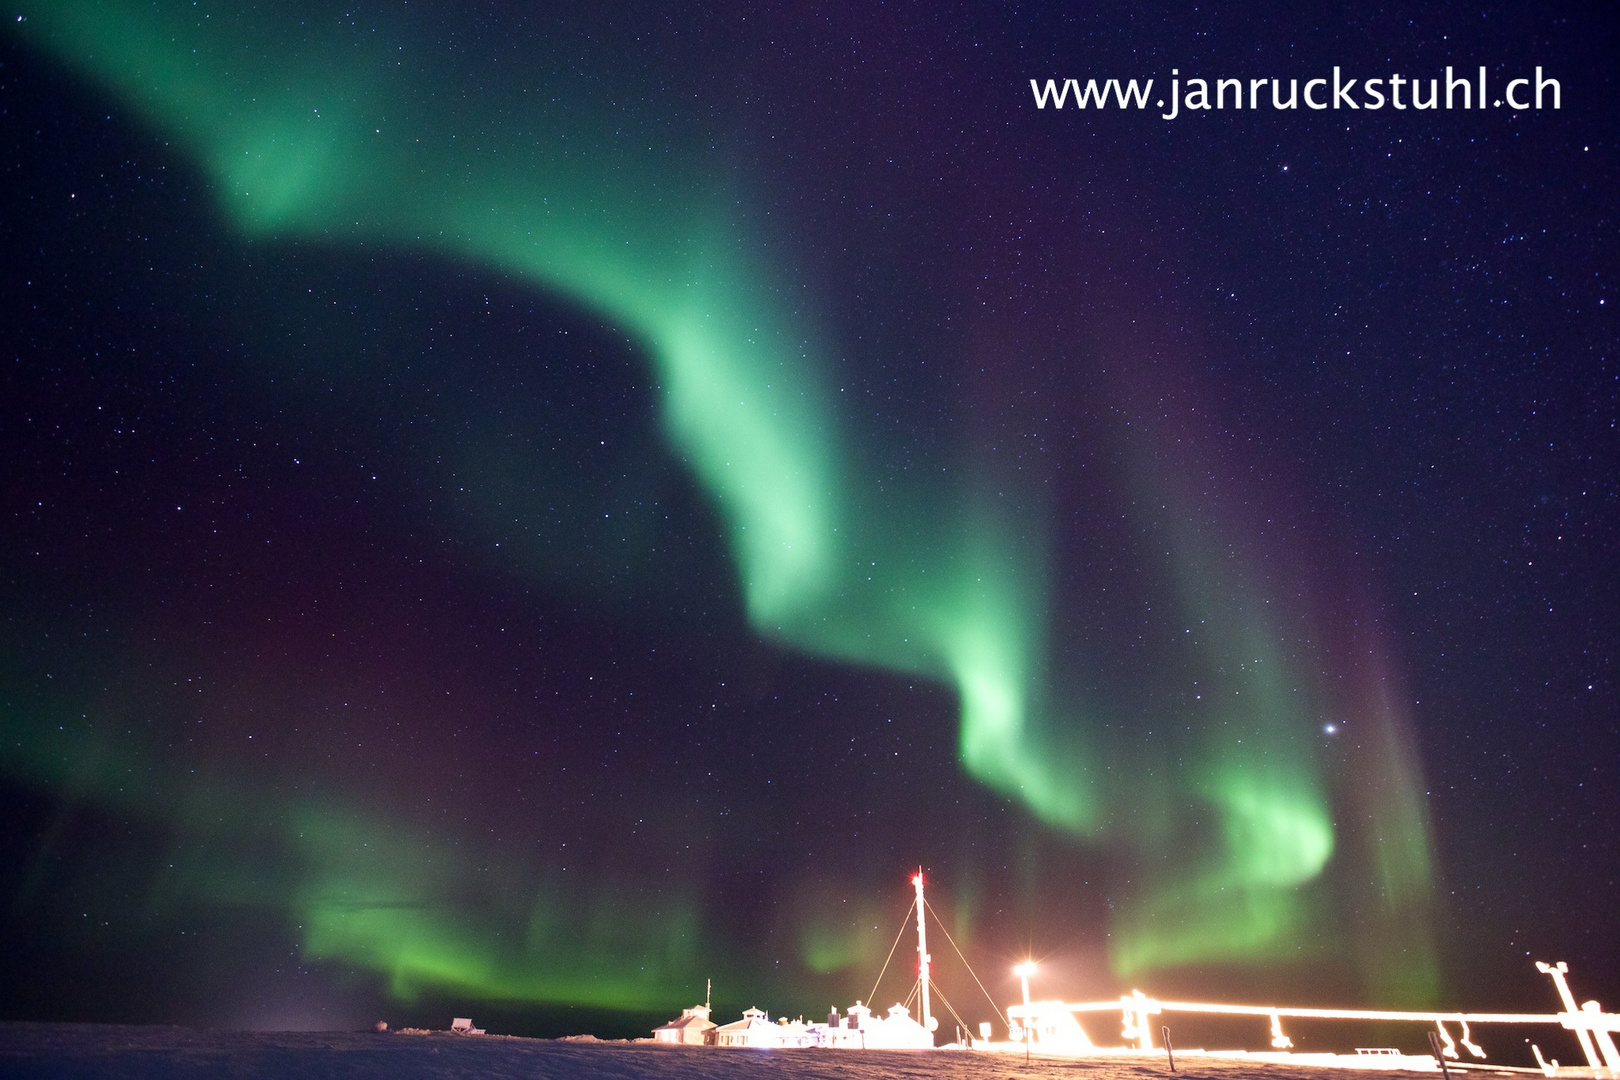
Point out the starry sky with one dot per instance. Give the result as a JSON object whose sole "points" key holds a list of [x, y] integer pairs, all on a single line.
{"points": [[522, 511]]}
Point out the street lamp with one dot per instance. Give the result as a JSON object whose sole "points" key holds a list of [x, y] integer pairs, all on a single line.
{"points": [[1024, 971]]}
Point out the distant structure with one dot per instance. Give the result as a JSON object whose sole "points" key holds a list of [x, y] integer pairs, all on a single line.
{"points": [[754, 1029], [860, 1030], [691, 1029], [1052, 1026], [462, 1025], [693, 1026], [863, 1031]]}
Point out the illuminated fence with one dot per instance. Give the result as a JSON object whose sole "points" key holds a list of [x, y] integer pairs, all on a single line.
{"points": [[1053, 1025]]}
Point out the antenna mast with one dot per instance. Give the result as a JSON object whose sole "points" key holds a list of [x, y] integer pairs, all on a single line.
{"points": [[922, 955]]}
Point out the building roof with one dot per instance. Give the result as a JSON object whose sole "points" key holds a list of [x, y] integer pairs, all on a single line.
{"points": [[689, 1021]]}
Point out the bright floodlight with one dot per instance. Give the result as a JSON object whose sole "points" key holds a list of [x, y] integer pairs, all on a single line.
{"points": [[1025, 970]]}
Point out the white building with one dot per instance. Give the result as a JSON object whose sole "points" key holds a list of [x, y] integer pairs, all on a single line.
{"points": [[860, 1030], [754, 1029], [690, 1029], [1049, 1026], [896, 1031]]}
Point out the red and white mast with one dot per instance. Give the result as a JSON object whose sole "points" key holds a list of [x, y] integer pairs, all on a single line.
{"points": [[922, 953]]}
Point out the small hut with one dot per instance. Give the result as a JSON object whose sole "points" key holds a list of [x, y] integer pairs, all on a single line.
{"points": [[690, 1029], [754, 1029]]}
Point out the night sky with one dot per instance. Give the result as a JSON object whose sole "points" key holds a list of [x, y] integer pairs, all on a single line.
{"points": [[515, 512]]}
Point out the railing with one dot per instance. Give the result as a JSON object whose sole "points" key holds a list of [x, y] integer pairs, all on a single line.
{"points": [[1592, 1026]]}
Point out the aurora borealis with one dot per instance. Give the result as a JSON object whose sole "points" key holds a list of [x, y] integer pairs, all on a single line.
{"points": [[540, 509]]}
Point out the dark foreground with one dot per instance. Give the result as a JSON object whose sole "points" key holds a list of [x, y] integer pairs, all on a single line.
{"points": [[148, 1053]]}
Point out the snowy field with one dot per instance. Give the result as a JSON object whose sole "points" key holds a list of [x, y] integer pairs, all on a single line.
{"points": [[62, 1051]]}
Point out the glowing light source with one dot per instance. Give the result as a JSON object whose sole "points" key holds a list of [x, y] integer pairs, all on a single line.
{"points": [[1024, 971]]}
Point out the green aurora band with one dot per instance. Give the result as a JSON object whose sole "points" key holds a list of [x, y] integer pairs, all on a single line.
{"points": [[408, 905], [330, 136]]}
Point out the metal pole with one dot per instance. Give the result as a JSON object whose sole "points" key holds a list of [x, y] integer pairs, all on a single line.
{"points": [[1557, 971], [1439, 1055], [1169, 1051], [1023, 971], [922, 954]]}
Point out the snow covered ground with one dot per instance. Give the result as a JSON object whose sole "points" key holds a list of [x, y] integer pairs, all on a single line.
{"points": [[112, 1052]]}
